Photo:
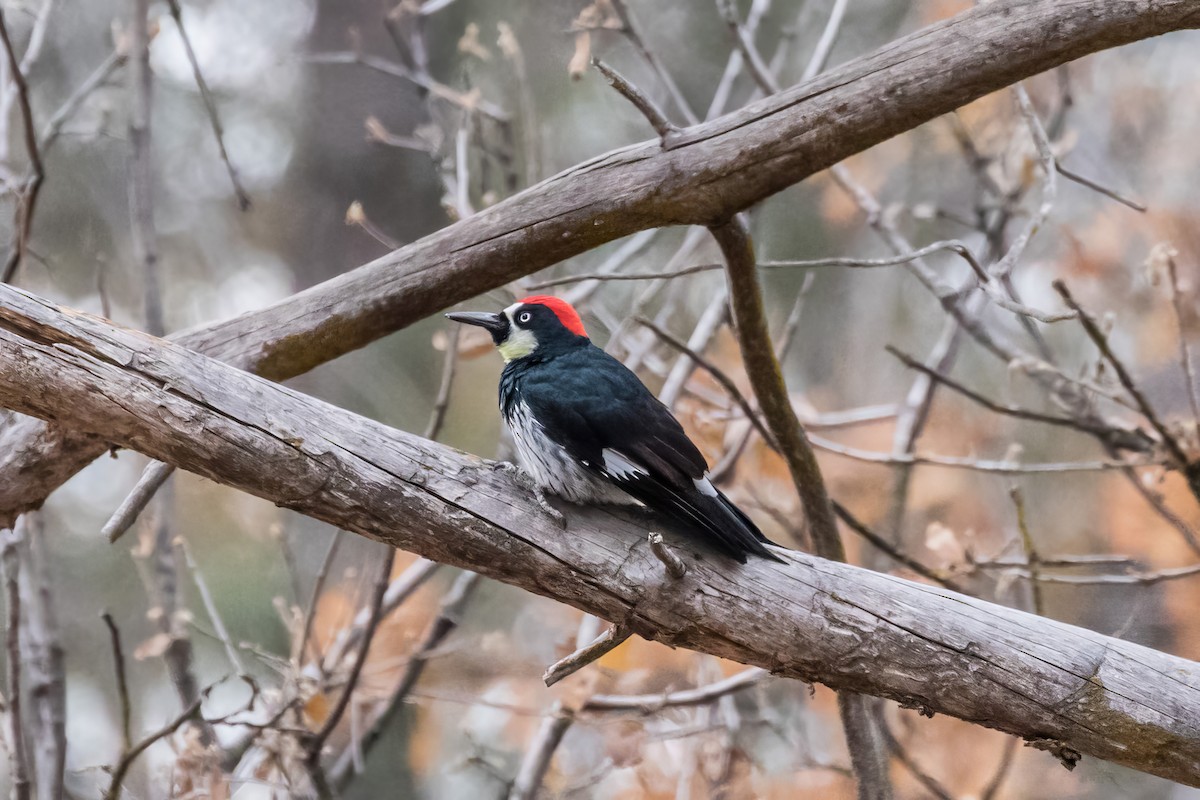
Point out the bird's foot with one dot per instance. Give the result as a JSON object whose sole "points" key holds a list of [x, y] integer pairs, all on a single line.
{"points": [[540, 496], [550, 510]]}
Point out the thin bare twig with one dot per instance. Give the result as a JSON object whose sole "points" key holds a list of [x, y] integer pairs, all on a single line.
{"points": [[1185, 352], [718, 375], [407, 582], [820, 55], [673, 563], [210, 106], [700, 695], [210, 605], [43, 654], [630, 29], [896, 554], [1092, 329], [315, 742], [449, 616], [537, 759], [449, 365], [28, 196], [978, 464], [758, 69], [1002, 769], [192, 712], [658, 121], [114, 635], [141, 169], [10, 561], [606, 642], [931, 784], [1032, 559], [318, 586], [1097, 187], [1082, 425], [99, 77], [152, 479]]}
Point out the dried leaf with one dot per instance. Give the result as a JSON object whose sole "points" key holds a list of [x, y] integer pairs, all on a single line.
{"points": [[507, 42], [582, 57], [470, 44], [153, 647]]}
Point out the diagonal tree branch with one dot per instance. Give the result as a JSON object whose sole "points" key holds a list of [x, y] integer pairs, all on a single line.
{"points": [[710, 171], [1061, 687]]}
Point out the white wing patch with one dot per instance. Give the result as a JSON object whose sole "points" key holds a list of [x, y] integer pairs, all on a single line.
{"points": [[619, 467], [704, 485]]}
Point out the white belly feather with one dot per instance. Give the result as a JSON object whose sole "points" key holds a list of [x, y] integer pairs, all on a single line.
{"points": [[553, 469]]}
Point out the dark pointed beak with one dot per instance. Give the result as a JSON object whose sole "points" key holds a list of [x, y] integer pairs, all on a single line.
{"points": [[495, 323]]}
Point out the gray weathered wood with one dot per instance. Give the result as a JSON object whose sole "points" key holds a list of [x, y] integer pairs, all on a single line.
{"points": [[1062, 687], [710, 171]]}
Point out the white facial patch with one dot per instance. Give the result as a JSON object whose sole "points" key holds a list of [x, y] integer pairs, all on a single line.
{"points": [[520, 342], [618, 466]]}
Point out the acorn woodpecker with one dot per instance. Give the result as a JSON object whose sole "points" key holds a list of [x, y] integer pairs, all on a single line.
{"points": [[588, 430]]}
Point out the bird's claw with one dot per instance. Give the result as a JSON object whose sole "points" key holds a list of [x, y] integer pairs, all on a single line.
{"points": [[523, 477], [550, 510]]}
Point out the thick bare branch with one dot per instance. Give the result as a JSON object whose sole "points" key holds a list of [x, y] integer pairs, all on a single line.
{"points": [[810, 619], [710, 171]]}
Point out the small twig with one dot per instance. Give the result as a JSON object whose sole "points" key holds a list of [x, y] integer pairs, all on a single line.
{"points": [[759, 71], [439, 90], [820, 56], [931, 784], [412, 578], [9, 559], [210, 605], [1005, 265], [980, 465], [448, 619], [28, 197], [210, 105], [141, 169], [1092, 329], [357, 216], [1083, 425], [129, 756], [47, 680], [318, 586], [1097, 187], [114, 635], [951, 245], [449, 365], [718, 375], [1185, 353], [630, 29], [315, 742], [1002, 769], [604, 643], [665, 129], [896, 554], [674, 564], [1032, 559], [153, 477], [100, 76], [541, 751], [699, 696]]}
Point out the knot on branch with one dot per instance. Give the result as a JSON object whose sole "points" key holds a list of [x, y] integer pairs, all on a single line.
{"points": [[1067, 756]]}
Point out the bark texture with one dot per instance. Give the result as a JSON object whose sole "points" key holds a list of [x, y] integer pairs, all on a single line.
{"points": [[709, 172], [1063, 688]]}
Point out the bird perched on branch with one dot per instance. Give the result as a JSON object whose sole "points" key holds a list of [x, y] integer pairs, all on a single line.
{"points": [[588, 430]]}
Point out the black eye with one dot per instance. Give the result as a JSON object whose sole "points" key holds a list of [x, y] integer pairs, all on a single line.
{"points": [[524, 316]]}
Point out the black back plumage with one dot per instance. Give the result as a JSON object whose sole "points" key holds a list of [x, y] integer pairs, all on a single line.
{"points": [[589, 402]]}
